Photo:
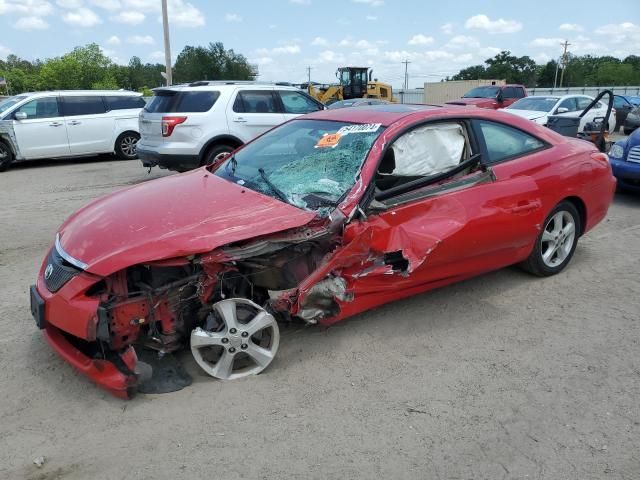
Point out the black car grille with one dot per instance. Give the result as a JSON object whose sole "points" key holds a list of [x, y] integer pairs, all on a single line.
{"points": [[58, 271]]}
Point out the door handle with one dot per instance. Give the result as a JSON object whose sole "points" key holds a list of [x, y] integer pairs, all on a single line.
{"points": [[525, 207], [239, 120], [74, 122], [55, 124]]}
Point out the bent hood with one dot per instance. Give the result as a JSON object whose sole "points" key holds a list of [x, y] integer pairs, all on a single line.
{"points": [[528, 114], [477, 102], [180, 215]]}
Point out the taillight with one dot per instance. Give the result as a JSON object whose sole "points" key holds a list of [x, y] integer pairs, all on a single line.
{"points": [[169, 123]]}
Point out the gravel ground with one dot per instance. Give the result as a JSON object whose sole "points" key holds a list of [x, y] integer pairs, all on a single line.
{"points": [[503, 376]]}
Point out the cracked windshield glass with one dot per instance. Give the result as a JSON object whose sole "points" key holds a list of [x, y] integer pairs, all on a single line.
{"points": [[310, 164]]}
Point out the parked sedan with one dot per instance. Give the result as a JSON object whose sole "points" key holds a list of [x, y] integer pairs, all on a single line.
{"points": [[356, 102], [539, 108], [319, 219], [625, 162]]}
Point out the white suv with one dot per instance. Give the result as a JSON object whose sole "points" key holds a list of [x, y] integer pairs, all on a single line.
{"points": [[69, 124], [187, 126]]}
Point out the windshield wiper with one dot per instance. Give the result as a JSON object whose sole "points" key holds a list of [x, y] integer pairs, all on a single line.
{"points": [[279, 193], [233, 162]]}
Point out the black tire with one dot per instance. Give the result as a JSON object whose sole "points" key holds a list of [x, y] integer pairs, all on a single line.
{"points": [[124, 144], [214, 151], [6, 156], [536, 264]]}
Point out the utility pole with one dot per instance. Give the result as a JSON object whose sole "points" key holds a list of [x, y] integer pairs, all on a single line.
{"points": [[406, 74], [167, 43], [309, 74], [566, 44]]}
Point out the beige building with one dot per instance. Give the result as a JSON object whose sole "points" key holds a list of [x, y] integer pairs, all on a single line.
{"points": [[441, 92]]}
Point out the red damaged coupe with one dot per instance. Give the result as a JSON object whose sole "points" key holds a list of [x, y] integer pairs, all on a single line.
{"points": [[321, 218]]}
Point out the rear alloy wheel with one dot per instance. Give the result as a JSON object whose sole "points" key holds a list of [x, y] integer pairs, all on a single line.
{"points": [[6, 156], [556, 243], [239, 339], [126, 146], [213, 153]]}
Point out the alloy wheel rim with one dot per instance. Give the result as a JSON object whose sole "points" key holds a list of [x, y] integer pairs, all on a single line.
{"points": [[241, 346], [558, 238], [128, 145]]}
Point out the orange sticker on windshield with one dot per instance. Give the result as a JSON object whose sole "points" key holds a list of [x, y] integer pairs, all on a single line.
{"points": [[330, 140]]}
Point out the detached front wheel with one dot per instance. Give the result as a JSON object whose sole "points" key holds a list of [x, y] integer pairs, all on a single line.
{"points": [[556, 243]]}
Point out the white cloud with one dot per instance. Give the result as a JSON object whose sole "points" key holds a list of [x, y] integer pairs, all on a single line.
{"points": [[447, 28], [546, 42], [329, 56], [300, 2], [69, 3], [262, 60], [482, 22], [4, 51], [111, 5], [462, 42], [232, 17], [141, 40], [114, 40], [371, 3], [625, 34], [34, 8], [285, 49], [541, 58], [570, 27], [371, 18], [157, 55], [31, 23], [488, 52], [319, 41], [420, 39], [129, 17], [82, 17], [184, 14]]}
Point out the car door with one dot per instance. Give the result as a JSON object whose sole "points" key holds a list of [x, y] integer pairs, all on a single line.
{"points": [[510, 95], [43, 133], [89, 127], [297, 103], [473, 221], [253, 112]]}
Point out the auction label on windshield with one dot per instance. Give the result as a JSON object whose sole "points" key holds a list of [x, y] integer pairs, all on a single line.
{"points": [[329, 140], [365, 128]]}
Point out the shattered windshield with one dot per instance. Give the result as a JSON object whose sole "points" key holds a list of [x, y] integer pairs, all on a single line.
{"points": [[310, 164], [10, 102], [482, 92]]}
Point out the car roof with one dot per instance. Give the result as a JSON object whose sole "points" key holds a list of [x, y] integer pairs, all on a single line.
{"points": [[385, 114], [222, 84], [85, 93]]}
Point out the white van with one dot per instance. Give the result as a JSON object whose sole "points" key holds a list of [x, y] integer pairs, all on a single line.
{"points": [[69, 124]]}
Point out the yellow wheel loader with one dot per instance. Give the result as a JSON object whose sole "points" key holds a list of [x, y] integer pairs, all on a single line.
{"points": [[354, 82]]}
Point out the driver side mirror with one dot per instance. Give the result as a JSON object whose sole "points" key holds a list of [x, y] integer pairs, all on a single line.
{"points": [[20, 116], [562, 110]]}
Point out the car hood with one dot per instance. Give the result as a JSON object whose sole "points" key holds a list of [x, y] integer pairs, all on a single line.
{"points": [[174, 216], [478, 102], [528, 114]]}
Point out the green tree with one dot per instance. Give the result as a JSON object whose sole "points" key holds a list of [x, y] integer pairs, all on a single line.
{"points": [[211, 63]]}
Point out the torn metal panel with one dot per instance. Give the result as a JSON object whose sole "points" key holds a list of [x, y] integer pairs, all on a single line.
{"points": [[8, 134]]}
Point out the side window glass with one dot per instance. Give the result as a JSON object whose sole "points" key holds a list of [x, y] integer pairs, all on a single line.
{"points": [[295, 102], [89, 105], [504, 142], [238, 105], [422, 152], [509, 92], [258, 101], [41, 108], [569, 104], [519, 92], [123, 103]]}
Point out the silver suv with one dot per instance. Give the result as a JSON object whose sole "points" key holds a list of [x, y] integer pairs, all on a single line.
{"points": [[186, 126]]}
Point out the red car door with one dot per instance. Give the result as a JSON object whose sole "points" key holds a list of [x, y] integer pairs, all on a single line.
{"points": [[442, 233]]}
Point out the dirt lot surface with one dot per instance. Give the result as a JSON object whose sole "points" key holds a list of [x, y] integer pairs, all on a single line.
{"points": [[504, 376]]}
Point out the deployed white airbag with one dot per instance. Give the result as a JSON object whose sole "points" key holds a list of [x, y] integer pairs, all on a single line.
{"points": [[428, 150]]}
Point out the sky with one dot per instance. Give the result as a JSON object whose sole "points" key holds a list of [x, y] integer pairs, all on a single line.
{"points": [[284, 37]]}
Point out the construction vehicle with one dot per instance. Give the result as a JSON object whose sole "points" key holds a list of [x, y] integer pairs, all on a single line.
{"points": [[354, 82]]}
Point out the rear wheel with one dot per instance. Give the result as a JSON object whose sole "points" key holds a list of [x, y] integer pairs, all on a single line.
{"points": [[214, 151], [126, 146], [6, 156], [556, 243]]}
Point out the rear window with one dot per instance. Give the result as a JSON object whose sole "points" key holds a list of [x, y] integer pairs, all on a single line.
{"points": [[123, 102], [76, 105], [167, 101]]}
